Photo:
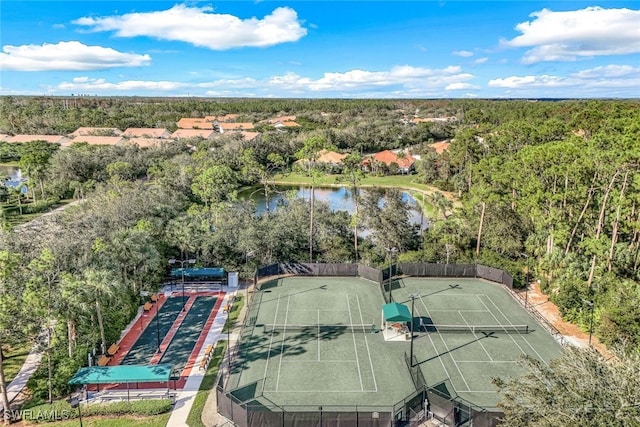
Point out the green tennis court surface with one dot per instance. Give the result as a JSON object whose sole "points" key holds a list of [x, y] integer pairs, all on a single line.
{"points": [[461, 362], [330, 364], [187, 335], [147, 344]]}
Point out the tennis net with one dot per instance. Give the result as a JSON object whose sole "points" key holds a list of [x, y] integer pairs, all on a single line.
{"points": [[487, 329], [319, 328]]}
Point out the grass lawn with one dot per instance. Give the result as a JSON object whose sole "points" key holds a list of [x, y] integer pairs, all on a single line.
{"points": [[14, 357], [208, 383], [150, 421]]}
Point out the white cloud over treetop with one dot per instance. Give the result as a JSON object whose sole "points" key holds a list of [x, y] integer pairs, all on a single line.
{"points": [[567, 36], [407, 78], [610, 76], [66, 56], [200, 27]]}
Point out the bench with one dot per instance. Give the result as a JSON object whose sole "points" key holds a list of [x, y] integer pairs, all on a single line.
{"points": [[147, 306], [207, 352], [203, 364], [154, 297], [104, 359], [113, 349]]}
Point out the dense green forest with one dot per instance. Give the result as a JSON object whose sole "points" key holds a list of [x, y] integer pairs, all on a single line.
{"points": [[549, 188]]}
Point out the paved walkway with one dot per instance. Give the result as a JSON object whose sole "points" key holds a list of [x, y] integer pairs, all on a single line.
{"points": [[186, 396], [29, 366]]}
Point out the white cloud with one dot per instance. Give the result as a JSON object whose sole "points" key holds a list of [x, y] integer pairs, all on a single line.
{"points": [[460, 86], [606, 77], [67, 56], [481, 60], [567, 36], [200, 27], [406, 76], [92, 85], [398, 81], [463, 53]]}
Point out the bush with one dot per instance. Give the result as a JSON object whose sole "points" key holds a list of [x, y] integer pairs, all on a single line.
{"points": [[62, 409]]}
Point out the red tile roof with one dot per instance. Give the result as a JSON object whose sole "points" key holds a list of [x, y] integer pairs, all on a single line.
{"points": [[146, 133], [387, 157], [99, 140], [326, 156], [193, 133], [54, 139], [194, 123], [85, 131], [227, 127], [440, 147]]}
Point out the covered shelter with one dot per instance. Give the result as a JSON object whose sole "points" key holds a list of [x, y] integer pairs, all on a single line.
{"points": [[210, 273], [395, 317], [157, 375]]}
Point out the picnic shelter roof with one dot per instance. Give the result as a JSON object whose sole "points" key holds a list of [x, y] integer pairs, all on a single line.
{"points": [[122, 374], [198, 272], [395, 312]]}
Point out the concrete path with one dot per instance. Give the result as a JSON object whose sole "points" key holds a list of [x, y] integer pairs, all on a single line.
{"points": [[185, 397], [29, 366]]}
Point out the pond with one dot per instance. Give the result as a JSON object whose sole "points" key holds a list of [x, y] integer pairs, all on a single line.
{"points": [[339, 199], [13, 173]]}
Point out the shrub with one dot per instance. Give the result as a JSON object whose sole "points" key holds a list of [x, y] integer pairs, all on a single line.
{"points": [[62, 408]]}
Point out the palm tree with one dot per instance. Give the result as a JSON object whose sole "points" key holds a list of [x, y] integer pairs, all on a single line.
{"points": [[441, 203], [99, 286]]}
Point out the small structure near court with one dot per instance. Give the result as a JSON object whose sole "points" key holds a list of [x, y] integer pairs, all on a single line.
{"points": [[394, 322], [126, 374]]}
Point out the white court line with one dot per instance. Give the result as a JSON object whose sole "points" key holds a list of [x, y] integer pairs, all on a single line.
{"points": [[266, 365], [431, 340], [322, 391], [447, 347], [373, 374], [498, 322], [474, 334], [355, 347], [444, 309], [284, 332], [524, 338], [322, 361], [318, 339], [486, 361]]}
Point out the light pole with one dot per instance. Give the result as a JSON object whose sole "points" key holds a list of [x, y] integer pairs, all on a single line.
{"points": [[74, 402], [157, 325], [413, 298], [590, 304], [391, 252], [182, 263], [526, 284]]}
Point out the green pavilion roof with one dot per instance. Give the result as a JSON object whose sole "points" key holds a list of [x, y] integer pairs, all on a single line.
{"points": [[395, 312], [122, 374], [198, 272]]}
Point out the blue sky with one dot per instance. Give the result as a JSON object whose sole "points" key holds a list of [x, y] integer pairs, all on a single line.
{"points": [[321, 49]]}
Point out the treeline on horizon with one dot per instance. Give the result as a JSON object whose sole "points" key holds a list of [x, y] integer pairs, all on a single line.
{"points": [[545, 188]]}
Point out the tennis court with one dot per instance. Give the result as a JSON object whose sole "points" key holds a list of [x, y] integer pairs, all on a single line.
{"points": [[462, 363], [309, 341]]}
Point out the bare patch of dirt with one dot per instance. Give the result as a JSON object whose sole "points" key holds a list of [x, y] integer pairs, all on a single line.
{"points": [[550, 311]]}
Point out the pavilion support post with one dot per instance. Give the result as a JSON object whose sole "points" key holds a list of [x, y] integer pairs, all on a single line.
{"points": [[127, 392]]}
